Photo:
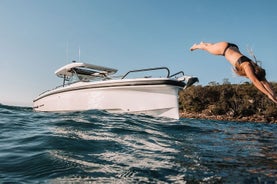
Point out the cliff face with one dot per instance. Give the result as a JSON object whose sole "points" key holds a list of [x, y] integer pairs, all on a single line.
{"points": [[232, 102]]}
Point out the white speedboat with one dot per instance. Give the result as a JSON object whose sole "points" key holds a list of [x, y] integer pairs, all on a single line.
{"points": [[87, 86]]}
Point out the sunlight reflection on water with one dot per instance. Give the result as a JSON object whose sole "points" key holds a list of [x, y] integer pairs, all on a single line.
{"points": [[96, 146]]}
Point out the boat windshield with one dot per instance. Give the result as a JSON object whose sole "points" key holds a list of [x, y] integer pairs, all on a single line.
{"points": [[85, 75], [74, 78]]}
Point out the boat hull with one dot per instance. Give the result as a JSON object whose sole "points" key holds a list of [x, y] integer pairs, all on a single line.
{"points": [[156, 98]]}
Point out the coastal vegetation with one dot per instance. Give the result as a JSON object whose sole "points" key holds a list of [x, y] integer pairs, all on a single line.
{"points": [[232, 102]]}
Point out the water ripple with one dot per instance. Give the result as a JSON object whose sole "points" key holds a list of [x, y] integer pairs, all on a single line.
{"points": [[99, 147]]}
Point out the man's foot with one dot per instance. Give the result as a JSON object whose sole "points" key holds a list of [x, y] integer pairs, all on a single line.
{"points": [[193, 47]]}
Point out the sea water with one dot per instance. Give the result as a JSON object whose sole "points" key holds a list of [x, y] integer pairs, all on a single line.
{"points": [[100, 147]]}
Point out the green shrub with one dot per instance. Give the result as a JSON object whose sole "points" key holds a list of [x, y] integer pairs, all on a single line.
{"points": [[231, 99]]}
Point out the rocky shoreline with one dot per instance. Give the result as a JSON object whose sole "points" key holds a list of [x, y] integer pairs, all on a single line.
{"points": [[253, 118], [227, 102]]}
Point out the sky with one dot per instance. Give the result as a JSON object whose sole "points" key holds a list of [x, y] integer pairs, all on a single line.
{"points": [[39, 36]]}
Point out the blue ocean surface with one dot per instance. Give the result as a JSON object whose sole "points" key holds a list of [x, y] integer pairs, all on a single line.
{"points": [[100, 147]]}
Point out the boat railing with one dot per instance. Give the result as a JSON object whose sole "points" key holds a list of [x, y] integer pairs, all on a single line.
{"points": [[44, 92], [104, 77], [148, 69], [178, 73], [54, 88]]}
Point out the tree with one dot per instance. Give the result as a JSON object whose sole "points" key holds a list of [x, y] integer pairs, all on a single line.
{"points": [[213, 83], [226, 81], [236, 100]]}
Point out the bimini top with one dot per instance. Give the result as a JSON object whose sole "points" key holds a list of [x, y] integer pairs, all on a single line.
{"points": [[84, 69]]}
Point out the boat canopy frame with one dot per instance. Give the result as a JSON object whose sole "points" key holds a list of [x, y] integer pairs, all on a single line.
{"points": [[83, 68], [87, 72]]}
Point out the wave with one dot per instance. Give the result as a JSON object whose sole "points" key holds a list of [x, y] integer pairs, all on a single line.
{"points": [[97, 146]]}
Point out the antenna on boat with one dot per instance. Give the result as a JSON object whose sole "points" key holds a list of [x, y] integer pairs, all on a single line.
{"points": [[79, 54], [66, 52]]}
